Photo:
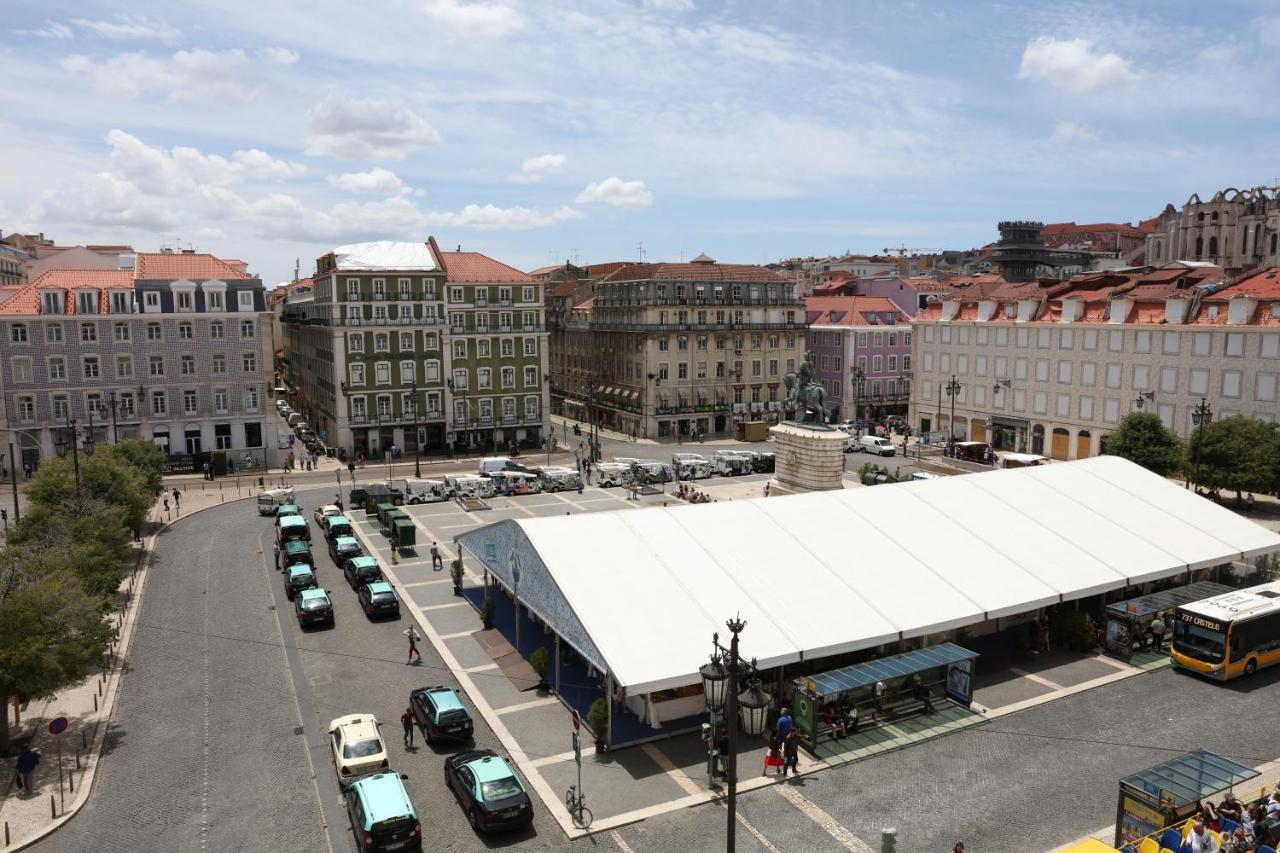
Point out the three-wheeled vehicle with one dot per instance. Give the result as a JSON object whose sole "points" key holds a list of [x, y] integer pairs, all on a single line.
{"points": [[560, 479], [613, 474], [731, 463], [691, 466], [423, 491], [650, 471], [515, 482], [470, 486], [269, 501]]}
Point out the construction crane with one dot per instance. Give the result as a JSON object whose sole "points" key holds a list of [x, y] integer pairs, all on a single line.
{"points": [[903, 251]]}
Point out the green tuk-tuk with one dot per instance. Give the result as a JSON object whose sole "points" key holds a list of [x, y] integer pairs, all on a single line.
{"points": [[403, 533]]}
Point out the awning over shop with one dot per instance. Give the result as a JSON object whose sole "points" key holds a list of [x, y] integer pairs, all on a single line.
{"points": [[639, 592]]}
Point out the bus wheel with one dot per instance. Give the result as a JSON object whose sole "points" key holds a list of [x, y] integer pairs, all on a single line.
{"points": [[1251, 667]]}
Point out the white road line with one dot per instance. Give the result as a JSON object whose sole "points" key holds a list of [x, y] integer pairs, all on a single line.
{"points": [[525, 706], [456, 635], [622, 845], [426, 583], [759, 836], [669, 767], [1030, 676], [587, 751], [815, 813], [484, 667]]}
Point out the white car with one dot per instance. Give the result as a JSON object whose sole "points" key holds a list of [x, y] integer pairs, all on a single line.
{"points": [[323, 512], [357, 746]]}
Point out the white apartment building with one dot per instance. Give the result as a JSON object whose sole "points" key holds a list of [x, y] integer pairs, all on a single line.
{"points": [[1051, 369]]}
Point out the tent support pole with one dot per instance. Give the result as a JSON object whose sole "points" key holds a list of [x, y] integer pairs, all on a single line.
{"points": [[608, 703], [557, 664]]}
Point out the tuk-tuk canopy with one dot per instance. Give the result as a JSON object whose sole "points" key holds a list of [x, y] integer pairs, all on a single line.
{"points": [[887, 669], [292, 521], [1190, 777], [1158, 602]]}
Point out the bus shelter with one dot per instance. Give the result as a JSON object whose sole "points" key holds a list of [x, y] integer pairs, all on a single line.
{"points": [[1168, 793], [947, 664], [1129, 621]]}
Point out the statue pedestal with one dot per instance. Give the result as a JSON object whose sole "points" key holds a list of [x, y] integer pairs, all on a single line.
{"points": [[808, 458]]}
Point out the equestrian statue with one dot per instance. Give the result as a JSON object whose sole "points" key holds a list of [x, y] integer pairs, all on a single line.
{"points": [[806, 395]]}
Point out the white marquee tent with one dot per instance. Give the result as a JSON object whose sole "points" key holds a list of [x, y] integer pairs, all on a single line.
{"points": [[639, 592]]}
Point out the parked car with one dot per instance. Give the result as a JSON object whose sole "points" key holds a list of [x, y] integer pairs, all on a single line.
{"points": [[335, 526], [382, 815], [292, 527], [313, 607], [323, 512], [298, 577], [489, 790], [341, 548], [379, 599], [287, 509], [356, 746], [295, 551], [361, 570], [440, 714]]}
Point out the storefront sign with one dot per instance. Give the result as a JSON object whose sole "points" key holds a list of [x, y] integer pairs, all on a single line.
{"points": [[960, 681], [181, 464]]}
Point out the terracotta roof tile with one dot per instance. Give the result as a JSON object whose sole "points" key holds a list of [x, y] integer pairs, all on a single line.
{"points": [[1264, 284], [27, 299], [850, 310], [171, 266], [475, 267]]}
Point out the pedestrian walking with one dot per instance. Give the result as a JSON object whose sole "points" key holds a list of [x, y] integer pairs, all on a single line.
{"points": [[791, 753], [773, 758], [766, 490], [177, 498], [406, 720], [166, 503], [437, 563], [414, 637], [1248, 503], [205, 467], [579, 486], [395, 555], [784, 723], [26, 768], [276, 546]]}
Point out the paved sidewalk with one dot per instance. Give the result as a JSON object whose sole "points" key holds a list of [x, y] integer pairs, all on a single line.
{"points": [[88, 704]]}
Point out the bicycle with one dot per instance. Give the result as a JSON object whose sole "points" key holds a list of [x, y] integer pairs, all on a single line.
{"points": [[576, 803]]}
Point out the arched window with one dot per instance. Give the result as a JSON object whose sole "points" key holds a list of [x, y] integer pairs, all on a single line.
{"points": [[1214, 217], [1213, 247], [1199, 247]]}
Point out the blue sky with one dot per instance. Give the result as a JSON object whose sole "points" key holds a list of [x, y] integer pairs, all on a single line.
{"points": [[537, 132]]}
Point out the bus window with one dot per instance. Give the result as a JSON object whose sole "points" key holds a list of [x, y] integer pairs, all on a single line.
{"points": [[1204, 644]]}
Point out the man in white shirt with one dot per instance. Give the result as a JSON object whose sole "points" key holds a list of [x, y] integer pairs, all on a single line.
{"points": [[1200, 841]]}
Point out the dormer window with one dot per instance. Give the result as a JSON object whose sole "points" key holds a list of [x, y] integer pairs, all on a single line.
{"points": [[51, 302], [86, 302], [1275, 309], [120, 302]]}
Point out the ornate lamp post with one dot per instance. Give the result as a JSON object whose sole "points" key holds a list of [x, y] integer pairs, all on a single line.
{"points": [[417, 443], [1143, 397], [721, 677], [953, 391], [859, 380], [1200, 416]]}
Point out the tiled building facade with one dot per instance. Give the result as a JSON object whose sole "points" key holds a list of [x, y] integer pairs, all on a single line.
{"points": [[1051, 370], [676, 349], [400, 344], [176, 352]]}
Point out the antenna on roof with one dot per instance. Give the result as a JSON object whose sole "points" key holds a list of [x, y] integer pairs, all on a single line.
{"points": [[459, 247], [640, 248]]}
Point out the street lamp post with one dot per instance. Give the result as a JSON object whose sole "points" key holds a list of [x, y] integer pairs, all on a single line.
{"points": [[953, 391], [1200, 416], [1144, 396], [720, 679], [859, 379]]}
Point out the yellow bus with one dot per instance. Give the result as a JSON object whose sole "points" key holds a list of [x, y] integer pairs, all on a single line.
{"points": [[1236, 633]]}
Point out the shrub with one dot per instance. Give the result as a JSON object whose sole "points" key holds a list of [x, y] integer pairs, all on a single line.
{"points": [[598, 719], [486, 612], [540, 660]]}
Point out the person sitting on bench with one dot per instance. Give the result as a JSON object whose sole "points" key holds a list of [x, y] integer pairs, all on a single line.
{"points": [[835, 720], [849, 716], [920, 692]]}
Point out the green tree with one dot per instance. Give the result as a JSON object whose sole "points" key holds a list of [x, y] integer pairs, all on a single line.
{"points": [[1237, 453], [90, 540], [1143, 438], [52, 632], [111, 476], [148, 459]]}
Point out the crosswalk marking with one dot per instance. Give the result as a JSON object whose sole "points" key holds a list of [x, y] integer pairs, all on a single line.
{"points": [[815, 813]]}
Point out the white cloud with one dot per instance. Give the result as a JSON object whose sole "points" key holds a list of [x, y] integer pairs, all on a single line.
{"points": [[670, 5], [1074, 66], [366, 129], [187, 75], [183, 170], [490, 218], [535, 169], [617, 192], [1069, 131], [277, 55], [377, 180], [130, 28], [51, 30], [475, 19]]}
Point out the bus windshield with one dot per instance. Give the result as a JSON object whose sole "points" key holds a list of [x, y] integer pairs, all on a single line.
{"points": [[1201, 643]]}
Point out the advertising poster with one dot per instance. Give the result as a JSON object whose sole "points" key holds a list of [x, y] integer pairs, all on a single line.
{"points": [[1137, 819]]}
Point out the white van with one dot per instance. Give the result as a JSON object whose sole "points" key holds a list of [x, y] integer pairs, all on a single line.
{"points": [[268, 501], [493, 464], [877, 444], [295, 418], [731, 463]]}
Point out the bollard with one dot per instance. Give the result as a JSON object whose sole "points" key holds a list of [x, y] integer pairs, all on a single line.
{"points": [[888, 840], [84, 743], [6, 833], [71, 777], [77, 761], [53, 807], [95, 704], [99, 688]]}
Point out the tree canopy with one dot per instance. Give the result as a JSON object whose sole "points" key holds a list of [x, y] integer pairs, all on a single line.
{"points": [[1143, 438], [1237, 453]]}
